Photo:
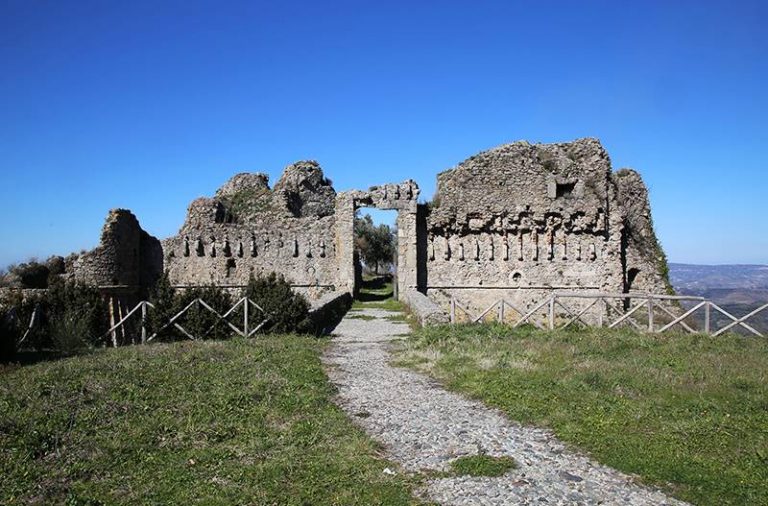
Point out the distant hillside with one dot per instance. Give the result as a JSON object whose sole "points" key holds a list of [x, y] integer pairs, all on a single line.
{"points": [[690, 279], [738, 289]]}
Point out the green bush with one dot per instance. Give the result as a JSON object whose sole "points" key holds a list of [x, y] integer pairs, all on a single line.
{"points": [[75, 317], [9, 335], [69, 318], [163, 297], [32, 274], [287, 310], [198, 321]]}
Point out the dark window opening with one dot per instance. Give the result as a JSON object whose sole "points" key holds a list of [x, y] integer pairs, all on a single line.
{"points": [[230, 266], [631, 276], [564, 189]]}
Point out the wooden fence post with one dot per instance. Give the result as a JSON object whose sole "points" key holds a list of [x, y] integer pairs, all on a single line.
{"points": [[112, 321], [601, 308], [143, 322], [707, 318], [552, 312], [650, 314], [245, 315]]}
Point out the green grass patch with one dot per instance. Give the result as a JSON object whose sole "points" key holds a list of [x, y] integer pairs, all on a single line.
{"points": [[386, 304], [482, 465], [365, 317], [218, 422], [688, 413]]}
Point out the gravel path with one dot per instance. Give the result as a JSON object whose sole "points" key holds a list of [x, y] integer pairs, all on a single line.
{"points": [[424, 427]]}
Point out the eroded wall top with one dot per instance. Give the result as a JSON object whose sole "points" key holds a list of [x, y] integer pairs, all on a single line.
{"points": [[526, 181], [248, 227]]}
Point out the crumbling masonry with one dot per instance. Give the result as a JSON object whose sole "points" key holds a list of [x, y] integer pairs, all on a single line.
{"points": [[517, 221]]}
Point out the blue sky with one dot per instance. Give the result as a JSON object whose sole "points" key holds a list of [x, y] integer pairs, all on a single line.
{"points": [[147, 105]]}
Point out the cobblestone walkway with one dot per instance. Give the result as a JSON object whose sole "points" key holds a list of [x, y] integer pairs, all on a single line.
{"points": [[424, 427]]}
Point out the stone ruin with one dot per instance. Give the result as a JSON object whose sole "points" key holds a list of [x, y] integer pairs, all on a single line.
{"points": [[523, 219], [515, 222]]}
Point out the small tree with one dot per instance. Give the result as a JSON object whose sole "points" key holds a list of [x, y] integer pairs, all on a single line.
{"points": [[375, 244], [287, 310]]}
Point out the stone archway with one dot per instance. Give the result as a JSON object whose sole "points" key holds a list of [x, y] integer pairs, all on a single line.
{"points": [[403, 198]]}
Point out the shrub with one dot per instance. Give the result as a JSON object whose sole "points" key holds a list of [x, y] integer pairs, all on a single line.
{"points": [[287, 310], [32, 274], [75, 316], [198, 321], [16, 313], [163, 297], [9, 334]]}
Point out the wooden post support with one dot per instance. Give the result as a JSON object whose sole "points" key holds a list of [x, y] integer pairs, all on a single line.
{"points": [[143, 322], [112, 321], [707, 318], [245, 316], [501, 311], [453, 310], [552, 312], [120, 328], [650, 314], [601, 306]]}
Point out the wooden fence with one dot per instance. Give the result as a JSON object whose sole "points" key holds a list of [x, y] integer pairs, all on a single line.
{"points": [[644, 312], [144, 307], [119, 332]]}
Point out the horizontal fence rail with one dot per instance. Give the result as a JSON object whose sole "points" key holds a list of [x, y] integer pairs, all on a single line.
{"points": [[644, 312], [252, 320], [145, 306]]}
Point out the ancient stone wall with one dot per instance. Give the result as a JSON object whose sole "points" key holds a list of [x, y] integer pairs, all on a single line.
{"points": [[249, 228], [515, 222], [521, 220], [127, 256]]}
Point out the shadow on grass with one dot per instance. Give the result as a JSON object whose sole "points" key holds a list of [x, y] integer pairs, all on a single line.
{"points": [[30, 357], [376, 289]]}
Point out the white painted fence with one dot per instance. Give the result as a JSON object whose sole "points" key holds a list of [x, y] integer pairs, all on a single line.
{"points": [[644, 312], [143, 308]]}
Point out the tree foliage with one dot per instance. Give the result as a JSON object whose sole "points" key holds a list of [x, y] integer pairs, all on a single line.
{"points": [[376, 244]]}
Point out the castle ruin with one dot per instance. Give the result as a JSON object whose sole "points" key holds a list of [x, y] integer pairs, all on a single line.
{"points": [[516, 221]]}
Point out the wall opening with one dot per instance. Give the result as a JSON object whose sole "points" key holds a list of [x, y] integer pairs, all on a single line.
{"points": [[564, 189], [631, 276], [230, 266], [375, 253]]}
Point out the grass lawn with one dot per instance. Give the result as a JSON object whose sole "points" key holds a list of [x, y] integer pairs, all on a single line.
{"points": [[687, 413], [228, 422]]}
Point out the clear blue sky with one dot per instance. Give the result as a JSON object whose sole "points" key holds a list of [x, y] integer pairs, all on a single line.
{"points": [[147, 105]]}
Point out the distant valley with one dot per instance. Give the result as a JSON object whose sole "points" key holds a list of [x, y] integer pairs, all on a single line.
{"points": [[739, 289]]}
